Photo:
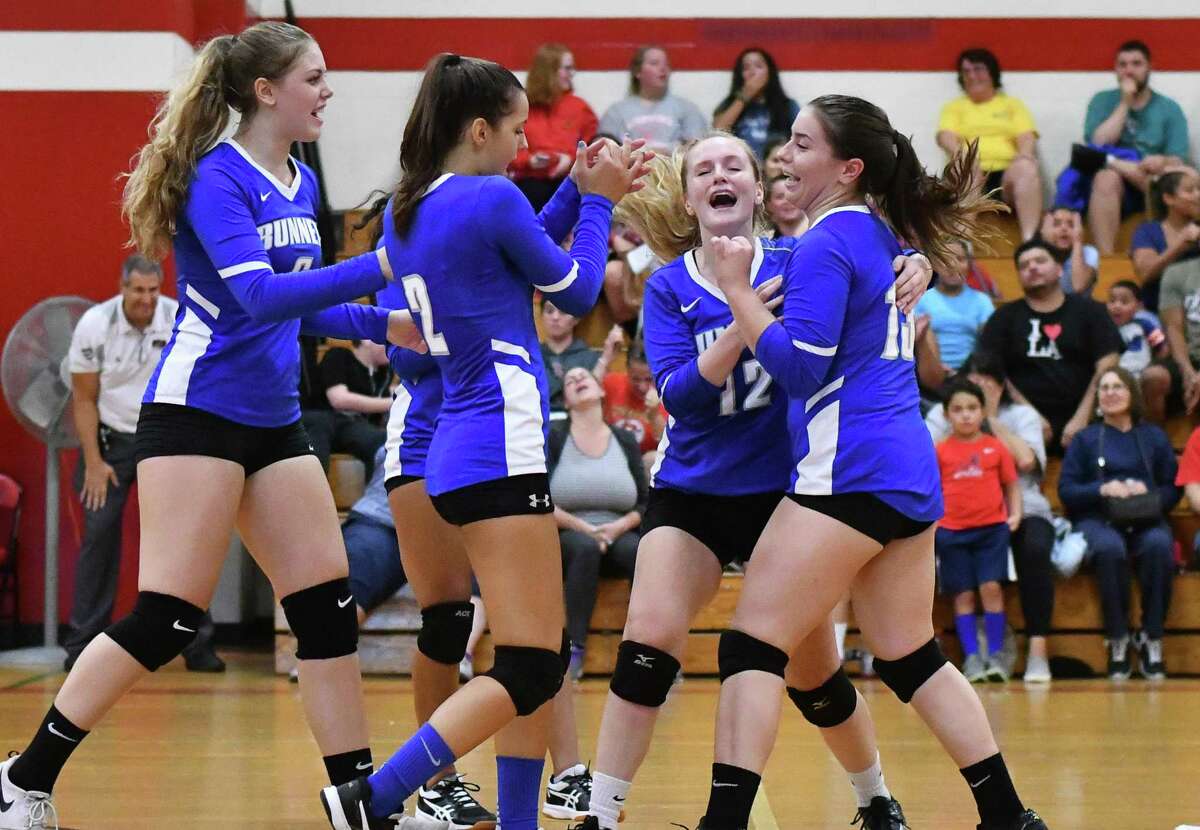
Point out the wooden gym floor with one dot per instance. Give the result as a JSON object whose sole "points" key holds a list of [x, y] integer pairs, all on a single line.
{"points": [[189, 751]]}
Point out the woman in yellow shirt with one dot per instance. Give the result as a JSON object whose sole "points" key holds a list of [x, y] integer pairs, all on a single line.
{"points": [[1007, 136]]}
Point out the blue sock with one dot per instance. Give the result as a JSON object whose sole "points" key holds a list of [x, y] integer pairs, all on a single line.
{"points": [[993, 624], [965, 624], [413, 764], [518, 786]]}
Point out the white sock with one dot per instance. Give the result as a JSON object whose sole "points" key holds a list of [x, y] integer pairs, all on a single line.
{"points": [[839, 637], [608, 799], [577, 769], [869, 784]]}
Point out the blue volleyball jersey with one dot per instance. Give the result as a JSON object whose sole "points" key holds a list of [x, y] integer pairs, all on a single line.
{"points": [[413, 416], [242, 241], [843, 353], [720, 440], [466, 269]]}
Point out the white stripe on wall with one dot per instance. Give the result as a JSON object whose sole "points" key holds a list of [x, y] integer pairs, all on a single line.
{"points": [[91, 61]]}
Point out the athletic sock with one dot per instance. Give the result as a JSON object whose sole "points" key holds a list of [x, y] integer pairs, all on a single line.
{"points": [[518, 787], [993, 624], [995, 795], [731, 797], [346, 766], [839, 639], [37, 768], [410, 767], [965, 625], [869, 783], [608, 799]]}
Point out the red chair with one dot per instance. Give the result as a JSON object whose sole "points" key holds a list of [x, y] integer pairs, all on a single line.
{"points": [[10, 522]]}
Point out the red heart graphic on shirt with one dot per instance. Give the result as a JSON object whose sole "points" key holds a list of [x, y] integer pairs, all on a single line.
{"points": [[1053, 330]]}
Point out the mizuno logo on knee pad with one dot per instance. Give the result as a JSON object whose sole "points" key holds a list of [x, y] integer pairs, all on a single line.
{"points": [[646, 661]]}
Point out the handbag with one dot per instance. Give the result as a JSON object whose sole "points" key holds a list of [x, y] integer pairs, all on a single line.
{"points": [[1137, 511]]}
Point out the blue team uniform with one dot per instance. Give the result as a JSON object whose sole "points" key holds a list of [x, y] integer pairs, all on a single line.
{"points": [[843, 353], [720, 440], [245, 249], [466, 269], [413, 416]]}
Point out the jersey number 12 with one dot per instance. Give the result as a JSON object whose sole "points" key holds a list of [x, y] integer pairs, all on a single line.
{"points": [[418, 302], [901, 337]]}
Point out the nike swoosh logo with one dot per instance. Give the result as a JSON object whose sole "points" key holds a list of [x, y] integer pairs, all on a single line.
{"points": [[53, 731], [722, 784], [979, 783], [686, 308], [432, 760], [342, 603], [5, 806], [262, 197], [619, 799], [363, 765], [179, 627]]}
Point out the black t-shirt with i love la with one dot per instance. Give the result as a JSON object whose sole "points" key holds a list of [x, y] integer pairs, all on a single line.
{"points": [[1051, 356]]}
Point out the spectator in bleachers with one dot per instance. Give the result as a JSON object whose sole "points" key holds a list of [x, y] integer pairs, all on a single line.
{"points": [[1008, 153], [630, 265], [983, 509], [1062, 227], [1172, 235], [1149, 127], [756, 110], [1117, 485], [650, 111], [558, 120], [1019, 427], [1179, 307], [931, 369], [599, 488], [372, 550], [772, 166], [1188, 478], [114, 350], [786, 218], [350, 401], [977, 277], [632, 403], [562, 351], [1054, 345], [956, 312], [1146, 350]]}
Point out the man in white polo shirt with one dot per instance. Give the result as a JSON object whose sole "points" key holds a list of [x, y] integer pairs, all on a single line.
{"points": [[114, 350]]}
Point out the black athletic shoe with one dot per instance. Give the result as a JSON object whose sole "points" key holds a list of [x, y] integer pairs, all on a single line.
{"points": [[568, 795], [1150, 658], [348, 807], [881, 814], [1118, 658], [1028, 820], [204, 660], [1086, 159], [450, 803], [588, 823]]}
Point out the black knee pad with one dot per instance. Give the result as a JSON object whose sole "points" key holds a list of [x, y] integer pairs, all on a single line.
{"points": [[643, 674], [324, 620], [158, 629], [531, 676], [445, 629], [564, 651], [739, 652], [830, 704], [909, 673]]}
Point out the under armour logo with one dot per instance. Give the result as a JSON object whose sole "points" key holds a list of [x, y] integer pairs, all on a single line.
{"points": [[821, 704], [539, 501], [646, 661]]}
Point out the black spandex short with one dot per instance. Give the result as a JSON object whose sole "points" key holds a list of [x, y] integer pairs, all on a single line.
{"points": [[729, 526], [865, 513], [170, 429], [524, 495], [399, 481], [993, 181]]}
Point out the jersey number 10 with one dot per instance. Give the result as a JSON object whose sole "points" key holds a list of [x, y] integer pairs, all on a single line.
{"points": [[418, 302], [901, 337]]}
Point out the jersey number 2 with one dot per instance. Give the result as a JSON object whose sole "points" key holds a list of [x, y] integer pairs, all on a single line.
{"points": [[759, 394], [418, 302], [901, 337]]}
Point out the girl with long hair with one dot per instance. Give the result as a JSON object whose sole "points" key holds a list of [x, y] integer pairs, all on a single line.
{"points": [[756, 110]]}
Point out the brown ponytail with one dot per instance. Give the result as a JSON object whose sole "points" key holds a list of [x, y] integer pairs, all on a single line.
{"points": [[190, 120], [930, 212], [454, 92]]}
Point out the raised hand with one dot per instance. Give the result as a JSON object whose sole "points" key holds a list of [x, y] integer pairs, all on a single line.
{"points": [[731, 262]]}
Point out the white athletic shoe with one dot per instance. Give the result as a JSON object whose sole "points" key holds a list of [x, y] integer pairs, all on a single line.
{"points": [[23, 809]]}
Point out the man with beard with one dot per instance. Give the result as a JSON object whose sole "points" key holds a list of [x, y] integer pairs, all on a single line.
{"points": [[1135, 117]]}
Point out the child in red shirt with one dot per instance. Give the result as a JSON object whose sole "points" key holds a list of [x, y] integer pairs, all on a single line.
{"points": [[631, 402], [983, 506]]}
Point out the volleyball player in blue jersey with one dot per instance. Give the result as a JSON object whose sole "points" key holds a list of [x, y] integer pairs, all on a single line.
{"points": [[473, 252], [865, 491], [719, 472], [219, 441]]}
